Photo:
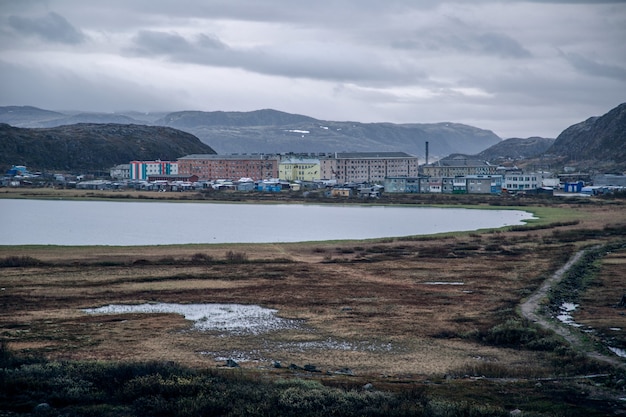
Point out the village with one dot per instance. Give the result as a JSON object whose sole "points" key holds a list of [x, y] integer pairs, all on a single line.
{"points": [[339, 174]]}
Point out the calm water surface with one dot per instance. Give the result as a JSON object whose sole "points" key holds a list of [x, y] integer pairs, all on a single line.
{"points": [[48, 222]]}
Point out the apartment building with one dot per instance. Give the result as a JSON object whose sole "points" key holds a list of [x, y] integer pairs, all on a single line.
{"points": [[230, 167], [141, 170], [371, 167]]}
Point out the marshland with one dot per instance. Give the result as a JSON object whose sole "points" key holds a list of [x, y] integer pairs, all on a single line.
{"points": [[413, 325]]}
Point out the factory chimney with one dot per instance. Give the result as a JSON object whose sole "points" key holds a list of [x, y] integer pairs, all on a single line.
{"points": [[426, 160]]}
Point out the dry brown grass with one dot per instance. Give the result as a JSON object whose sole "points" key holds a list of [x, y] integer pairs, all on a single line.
{"points": [[599, 304], [367, 306]]}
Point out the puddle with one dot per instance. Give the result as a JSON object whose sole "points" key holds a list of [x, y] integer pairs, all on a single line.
{"points": [[619, 352], [565, 316], [443, 283], [228, 318]]}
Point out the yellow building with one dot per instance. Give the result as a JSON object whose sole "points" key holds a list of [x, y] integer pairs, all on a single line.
{"points": [[302, 169]]}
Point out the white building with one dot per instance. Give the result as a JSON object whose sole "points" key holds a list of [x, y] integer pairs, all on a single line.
{"points": [[141, 170], [518, 180], [120, 172]]}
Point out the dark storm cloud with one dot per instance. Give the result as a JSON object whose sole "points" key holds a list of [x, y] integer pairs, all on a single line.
{"points": [[51, 27]]}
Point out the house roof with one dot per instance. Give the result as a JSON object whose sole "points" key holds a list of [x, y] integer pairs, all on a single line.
{"points": [[371, 155], [459, 162], [229, 157]]}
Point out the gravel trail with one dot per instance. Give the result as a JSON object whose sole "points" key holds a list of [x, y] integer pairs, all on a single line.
{"points": [[530, 310]]}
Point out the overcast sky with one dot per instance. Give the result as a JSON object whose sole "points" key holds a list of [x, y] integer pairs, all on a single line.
{"points": [[519, 68]]}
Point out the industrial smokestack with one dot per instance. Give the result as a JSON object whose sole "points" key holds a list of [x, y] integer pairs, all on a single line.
{"points": [[426, 160]]}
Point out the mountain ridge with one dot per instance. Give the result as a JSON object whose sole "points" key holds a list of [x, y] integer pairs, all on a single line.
{"points": [[596, 144], [274, 131]]}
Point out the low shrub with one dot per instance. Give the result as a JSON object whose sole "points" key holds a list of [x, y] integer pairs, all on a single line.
{"points": [[201, 258], [518, 333], [236, 257], [19, 261]]}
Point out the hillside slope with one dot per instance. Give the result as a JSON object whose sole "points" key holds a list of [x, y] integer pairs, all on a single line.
{"points": [[596, 143], [93, 146]]}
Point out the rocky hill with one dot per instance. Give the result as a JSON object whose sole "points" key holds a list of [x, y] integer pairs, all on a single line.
{"points": [[271, 131], [598, 143], [515, 149], [92, 147]]}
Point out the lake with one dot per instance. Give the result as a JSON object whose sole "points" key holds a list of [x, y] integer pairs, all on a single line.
{"points": [[78, 223]]}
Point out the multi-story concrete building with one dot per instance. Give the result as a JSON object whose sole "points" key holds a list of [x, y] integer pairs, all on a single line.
{"points": [[518, 180], [458, 166], [484, 184], [472, 184], [141, 170], [120, 172], [346, 167], [229, 167], [303, 169]]}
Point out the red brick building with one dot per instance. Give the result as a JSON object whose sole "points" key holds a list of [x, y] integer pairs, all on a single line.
{"points": [[229, 167]]}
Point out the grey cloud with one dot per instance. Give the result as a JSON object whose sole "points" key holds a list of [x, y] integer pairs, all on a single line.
{"points": [[51, 27], [501, 45], [593, 68], [150, 42], [577, 1], [59, 89], [486, 43], [307, 62]]}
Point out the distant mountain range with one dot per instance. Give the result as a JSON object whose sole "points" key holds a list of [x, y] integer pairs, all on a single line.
{"points": [[271, 131], [92, 147], [599, 143]]}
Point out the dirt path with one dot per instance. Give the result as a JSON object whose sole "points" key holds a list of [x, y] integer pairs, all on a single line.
{"points": [[530, 307]]}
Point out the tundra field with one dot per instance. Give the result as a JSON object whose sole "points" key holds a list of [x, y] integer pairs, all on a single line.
{"points": [[440, 314]]}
